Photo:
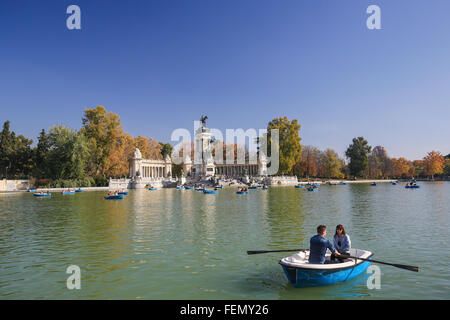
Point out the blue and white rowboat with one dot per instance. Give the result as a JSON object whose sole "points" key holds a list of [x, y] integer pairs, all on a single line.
{"points": [[300, 186], [210, 191], [301, 273]]}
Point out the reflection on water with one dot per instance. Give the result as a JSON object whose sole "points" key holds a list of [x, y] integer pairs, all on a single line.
{"points": [[183, 244]]}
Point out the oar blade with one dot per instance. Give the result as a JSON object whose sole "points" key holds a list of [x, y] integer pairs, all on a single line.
{"points": [[410, 268]]}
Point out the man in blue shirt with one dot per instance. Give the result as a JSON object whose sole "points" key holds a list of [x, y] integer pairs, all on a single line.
{"points": [[318, 246]]}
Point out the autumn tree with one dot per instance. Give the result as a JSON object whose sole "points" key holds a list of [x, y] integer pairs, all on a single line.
{"points": [[433, 163], [330, 164], [102, 128], [401, 167], [289, 142]]}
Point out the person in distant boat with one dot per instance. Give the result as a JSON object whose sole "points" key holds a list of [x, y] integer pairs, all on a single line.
{"points": [[318, 246], [342, 242]]}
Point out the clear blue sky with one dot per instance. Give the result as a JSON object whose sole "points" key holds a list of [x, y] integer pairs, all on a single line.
{"points": [[160, 64]]}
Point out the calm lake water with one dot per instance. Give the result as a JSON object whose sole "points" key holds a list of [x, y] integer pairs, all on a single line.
{"points": [[182, 244]]}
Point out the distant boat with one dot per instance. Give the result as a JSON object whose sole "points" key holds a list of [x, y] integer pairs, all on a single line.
{"points": [[189, 188], [115, 197], [260, 186], [68, 192], [180, 187], [300, 186], [42, 194], [242, 192], [79, 190], [313, 189], [373, 184], [124, 193], [32, 190], [153, 188], [265, 188], [252, 188], [210, 191], [219, 187], [415, 186], [394, 183], [337, 183]]}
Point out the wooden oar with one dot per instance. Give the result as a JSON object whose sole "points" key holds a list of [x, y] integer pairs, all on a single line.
{"points": [[401, 266], [268, 251]]}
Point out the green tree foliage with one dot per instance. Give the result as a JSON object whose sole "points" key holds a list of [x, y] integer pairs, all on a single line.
{"points": [[15, 154], [68, 153], [330, 164], [289, 142], [166, 149], [358, 153]]}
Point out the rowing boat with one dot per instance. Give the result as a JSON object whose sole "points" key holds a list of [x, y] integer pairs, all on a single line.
{"points": [[300, 187], [301, 273], [210, 192], [117, 197], [42, 195]]}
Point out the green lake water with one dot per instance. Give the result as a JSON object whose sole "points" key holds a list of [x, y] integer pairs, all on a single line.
{"points": [[183, 244]]}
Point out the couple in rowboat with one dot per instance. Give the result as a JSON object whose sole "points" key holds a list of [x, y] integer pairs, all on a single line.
{"points": [[319, 245]]}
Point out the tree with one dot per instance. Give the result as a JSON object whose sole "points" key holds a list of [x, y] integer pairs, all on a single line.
{"points": [[379, 163], [166, 149], [447, 166], [401, 167], [330, 164], [69, 153], [358, 152], [15, 153], [6, 147], [150, 148], [433, 163], [102, 128], [289, 142], [40, 156]]}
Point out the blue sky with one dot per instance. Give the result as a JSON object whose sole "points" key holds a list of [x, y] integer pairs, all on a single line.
{"points": [[160, 64]]}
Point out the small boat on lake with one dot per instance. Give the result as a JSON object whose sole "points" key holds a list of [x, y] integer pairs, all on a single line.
{"points": [[179, 187], [299, 186], [336, 183], [79, 190], [219, 187], [68, 192], [301, 273], [210, 191], [124, 193], [414, 186], [315, 189], [151, 189], [373, 184], [252, 188], [189, 188], [265, 188], [114, 197], [242, 192], [394, 183], [31, 190], [41, 194]]}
